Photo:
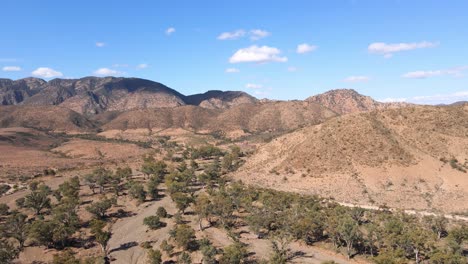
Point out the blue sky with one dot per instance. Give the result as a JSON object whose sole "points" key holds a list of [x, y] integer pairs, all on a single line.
{"points": [[414, 50]]}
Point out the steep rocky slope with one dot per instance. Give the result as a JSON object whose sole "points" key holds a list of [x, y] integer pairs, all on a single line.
{"points": [[408, 157], [15, 92]]}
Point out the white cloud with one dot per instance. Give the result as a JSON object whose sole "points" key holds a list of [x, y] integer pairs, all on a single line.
{"points": [[355, 79], [256, 34], [45, 72], [232, 35], [100, 44], [305, 48], [232, 70], [421, 74], [106, 72], [170, 30], [456, 72], [388, 49], [142, 66], [257, 54], [253, 86], [11, 68], [292, 69], [432, 99]]}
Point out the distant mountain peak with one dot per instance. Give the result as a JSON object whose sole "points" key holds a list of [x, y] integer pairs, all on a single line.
{"points": [[345, 101]]}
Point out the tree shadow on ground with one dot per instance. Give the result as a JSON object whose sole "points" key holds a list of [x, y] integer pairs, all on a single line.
{"points": [[124, 246]]}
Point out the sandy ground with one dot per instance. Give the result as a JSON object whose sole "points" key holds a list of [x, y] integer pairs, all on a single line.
{"points": [[129, 232]]}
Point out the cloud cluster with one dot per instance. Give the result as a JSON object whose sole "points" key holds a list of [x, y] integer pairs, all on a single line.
{"points": [[100, 44], [170, 31], [253, 86], [142, 66], [255, 34], [456, 72], [432, 99], [257, 54], [106, 72], [232, 35], [11, 68], [45, 72], [356, 79], [305, 48], [388, 50]]}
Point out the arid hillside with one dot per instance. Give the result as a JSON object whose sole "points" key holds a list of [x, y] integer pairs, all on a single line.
{"points": [[345, 101], [246, 118], [45, 117], [413, 157]]}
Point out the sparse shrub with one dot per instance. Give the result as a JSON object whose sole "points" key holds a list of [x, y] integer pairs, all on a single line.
{"points": [[66, 257], [146, 245], [184, 258], [4, 209], [4, 188], [161, 212], [167, 247], [154, 256], [152, 222]]}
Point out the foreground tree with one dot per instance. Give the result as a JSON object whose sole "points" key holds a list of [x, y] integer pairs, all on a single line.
{"points": [[183, 236], [42, 232], [99, 208], [152, 187], [438, 224], [16, 226], [234, 254], [182, 201], [101, 236], [7, 252], [348, 230], [137, 191], [38, 199]]}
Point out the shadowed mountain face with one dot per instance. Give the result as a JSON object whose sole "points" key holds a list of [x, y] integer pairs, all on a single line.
{"points": [[93, 95], [345, 101], [220, 99], [15, 92]]}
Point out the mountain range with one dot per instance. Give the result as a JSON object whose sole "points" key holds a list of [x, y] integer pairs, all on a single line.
{"points": [[128, 103]]}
